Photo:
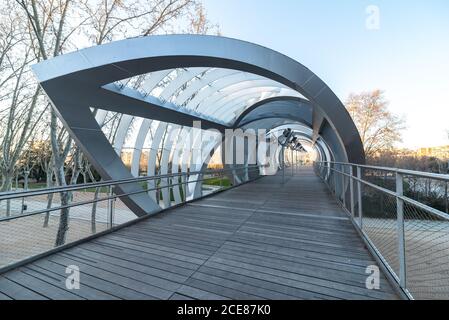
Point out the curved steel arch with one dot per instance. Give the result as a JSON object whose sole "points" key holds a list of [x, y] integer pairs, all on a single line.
{"points": [[275, 104], [78, 81]]}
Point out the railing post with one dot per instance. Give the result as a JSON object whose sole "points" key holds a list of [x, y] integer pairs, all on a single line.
{"points": [[401, 232], [343, 192], [186, 186], [169, 191], [359, 196], [110, 207], [446, 197], [351, 188], [293, 165], [283, 165], [332, 179]]}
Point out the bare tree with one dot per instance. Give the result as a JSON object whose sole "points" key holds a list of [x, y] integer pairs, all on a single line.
{"points": [[19, 96], [56, 27], [199, 23], [379, 129], [117, 19]]}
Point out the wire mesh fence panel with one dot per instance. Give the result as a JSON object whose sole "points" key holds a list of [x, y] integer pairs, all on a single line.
{"points": [[427, 253], [49, 220], [31, 235], [34, 222], [380, 224], [431, 192], [383, 178], [421, 198]]}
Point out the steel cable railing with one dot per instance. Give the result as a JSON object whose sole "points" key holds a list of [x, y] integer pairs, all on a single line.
{"points": [[403, 216], [37, 221]]}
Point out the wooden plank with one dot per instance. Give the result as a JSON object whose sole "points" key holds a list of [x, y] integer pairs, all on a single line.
{"points": [[117, 265], [224, 280], [42, 287], [4, 297], [143, 260], [325, 285], [93, 282], [271, 286], [126, 281], [13, 290], [59, 280], [140, 248], [220, 290], [199, 294], [180, 297]]}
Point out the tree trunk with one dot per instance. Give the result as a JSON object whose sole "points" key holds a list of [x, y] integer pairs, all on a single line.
{"points": [[49, 204], [95, 204], [7, 185], [49, 197], [64, 215], [63, 220]]}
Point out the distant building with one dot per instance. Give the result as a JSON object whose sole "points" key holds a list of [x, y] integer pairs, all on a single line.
{"points": [[127, 158], [437, 152]]}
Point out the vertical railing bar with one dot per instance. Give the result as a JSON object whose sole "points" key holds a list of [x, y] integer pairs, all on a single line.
{"points": [[343, 189], [110, 206], [446, 196], [186, 178], [401, 231], [283, 165], [351, 189], [292, 163], [359, 196], [333, 173], [169, 191]]}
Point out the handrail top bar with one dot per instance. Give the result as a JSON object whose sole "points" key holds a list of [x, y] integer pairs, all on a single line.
{"points": [[29, 193], [418, 204], [76, 204], [422, 174]]}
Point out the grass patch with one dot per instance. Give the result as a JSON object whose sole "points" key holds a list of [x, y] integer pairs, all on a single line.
{"points": [[224, 182]]}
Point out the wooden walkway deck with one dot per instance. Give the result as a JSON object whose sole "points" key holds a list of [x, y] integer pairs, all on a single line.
{"points": [[263, 240]]}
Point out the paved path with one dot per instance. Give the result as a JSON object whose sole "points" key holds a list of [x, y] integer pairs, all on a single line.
{"points": [[262, 240]]}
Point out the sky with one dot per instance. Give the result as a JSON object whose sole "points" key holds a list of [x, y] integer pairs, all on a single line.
{"points": [[400, 47]]}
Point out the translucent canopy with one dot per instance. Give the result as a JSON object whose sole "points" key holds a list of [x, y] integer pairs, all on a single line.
{"points": [[216, 94]]}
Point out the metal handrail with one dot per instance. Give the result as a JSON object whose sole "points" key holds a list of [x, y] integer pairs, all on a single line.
{"points": [[422, 206], [111, 183], [337, 184], [28, 193], [106, 217], [421, 174]]}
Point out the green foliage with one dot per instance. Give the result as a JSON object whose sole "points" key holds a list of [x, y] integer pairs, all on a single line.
{"points": [[224, 182]]}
